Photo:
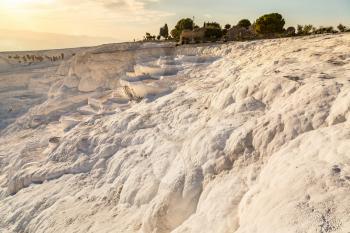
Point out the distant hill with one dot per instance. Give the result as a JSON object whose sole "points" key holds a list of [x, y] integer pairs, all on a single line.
{"points": [[13, 40]]}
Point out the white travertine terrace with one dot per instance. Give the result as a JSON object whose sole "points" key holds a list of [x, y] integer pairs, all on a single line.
{"points": [[245, 137]]}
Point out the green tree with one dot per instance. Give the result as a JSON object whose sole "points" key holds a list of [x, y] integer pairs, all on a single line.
{"points": [[175, 34], [212, 25], [314, 29], [290, 31], [307, 29], [300, 29], [244, 23], [161, 31], [225, 30], [270, 23], [148, 36], [183, 24], [341, 28], [322, 30], [330, 29], [213, 31], [164, 31]]}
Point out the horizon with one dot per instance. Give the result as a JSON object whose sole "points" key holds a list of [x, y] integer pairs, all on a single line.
{"points": [[31, 23]]}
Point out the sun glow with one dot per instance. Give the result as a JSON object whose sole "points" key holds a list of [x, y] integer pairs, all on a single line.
{"points": [[13, 3], [17, 3]]}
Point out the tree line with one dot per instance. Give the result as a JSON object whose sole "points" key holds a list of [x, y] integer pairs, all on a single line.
{"points": [[266, 26], [31, 58]]}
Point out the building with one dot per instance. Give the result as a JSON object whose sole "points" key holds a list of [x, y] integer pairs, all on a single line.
{"points": [[237, 33], [196, 35]]}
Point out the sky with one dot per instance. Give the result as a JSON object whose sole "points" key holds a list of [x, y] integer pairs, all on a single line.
{"points": [[43, 24]]}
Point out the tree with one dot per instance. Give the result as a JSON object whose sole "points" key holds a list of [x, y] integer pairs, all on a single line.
{"points": [[300, 29], [225, 30], [175, 34], [314, 29], [148, 36], [213, 31], [322, 30], [244, 23], [270, 23], [307, 29], [290, 31], [212, 25], [330, 29], [161, 31], [341, 28], [183, 24], [164, 31]]}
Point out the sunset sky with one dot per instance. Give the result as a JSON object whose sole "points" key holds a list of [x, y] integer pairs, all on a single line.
{"points": [[29, 24]]}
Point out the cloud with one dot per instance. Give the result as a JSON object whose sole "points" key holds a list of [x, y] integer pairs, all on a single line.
{"points": [[125, 4], [116, 6], [104, 10], [135, 9], [124, 19]]}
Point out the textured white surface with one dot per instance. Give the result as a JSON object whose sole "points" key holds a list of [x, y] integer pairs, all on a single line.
{"points": [[250, 137]]}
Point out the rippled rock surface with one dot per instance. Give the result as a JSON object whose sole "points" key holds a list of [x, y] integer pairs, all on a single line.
{"points": [[242, 137]]}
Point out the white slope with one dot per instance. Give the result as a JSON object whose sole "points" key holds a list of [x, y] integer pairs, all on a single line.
{"points": [[248, 137]]}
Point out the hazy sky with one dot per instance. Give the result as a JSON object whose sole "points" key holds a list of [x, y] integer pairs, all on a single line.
{"points": [[123, 20]]}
